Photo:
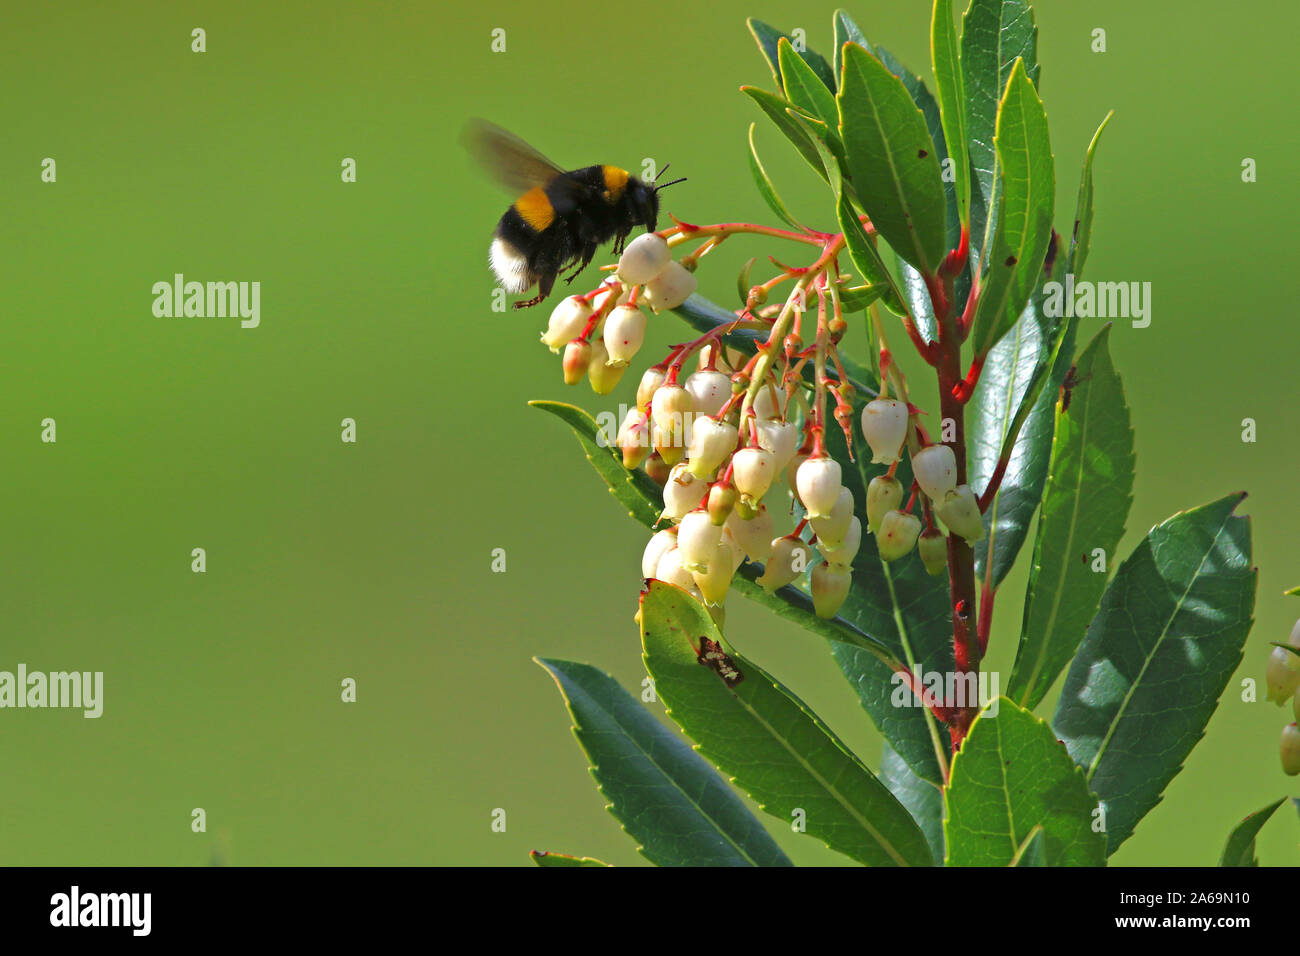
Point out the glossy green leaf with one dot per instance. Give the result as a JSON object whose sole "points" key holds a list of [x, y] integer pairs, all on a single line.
{"points": [[952, 98], [743, 284], [923, 799], [776, 109], [861, 248], [771, 744], [858, 298], [765, 187], [1084, 508], [915, 292], [892, 160], [1010, 776], [768, 38], [1013, 412], [633, 489], [1033, 851], [1081, 241], [995, 33], [1025, 207], [667, 798], [549, 858], [1160, 651], [845, 31], [803, 87], [821, 133], [1240, 848], [933, 116], [912, 286]]}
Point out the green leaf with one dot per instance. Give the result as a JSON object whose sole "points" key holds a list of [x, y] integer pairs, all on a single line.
{"points": [[765, 188], [771, 744], [803, 87], [1081, 241], [549, 858], [796, 606], [776, 109], [862, 251], [1286, 647], [952, 98], [913, 287], [819, 133], [858, 298], [633, 489], [743, 285], [1033, 852], [892, 159], [1025, 211], [923, 799], [846, 31], [861, 248], [1157, 656], [994, 34], [1010, 776], [768, 38], [666, 797], [1240, 848], [915, 292], [1084, 508], [1016, 395]]}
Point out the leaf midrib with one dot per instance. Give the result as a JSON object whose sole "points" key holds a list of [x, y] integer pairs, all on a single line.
{"points": [[986, 247], [905, 639], [1058, 592], [996, 314], [923, 260], [843, 801], [1005, 426], [1155, 648], [667, 776]]}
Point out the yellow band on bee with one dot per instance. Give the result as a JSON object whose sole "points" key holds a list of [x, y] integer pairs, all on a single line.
{"points": [[535, 208], [615, 181]]}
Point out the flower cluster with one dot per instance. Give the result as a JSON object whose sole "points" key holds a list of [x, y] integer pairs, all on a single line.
{"points": [[737, 443]]}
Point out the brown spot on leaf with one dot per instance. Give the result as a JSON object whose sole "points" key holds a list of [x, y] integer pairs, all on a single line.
{"points": [[921, 154], [1011, 261]]}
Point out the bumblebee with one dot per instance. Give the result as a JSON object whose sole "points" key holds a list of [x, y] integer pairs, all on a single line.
{"points": [[560, 218]]}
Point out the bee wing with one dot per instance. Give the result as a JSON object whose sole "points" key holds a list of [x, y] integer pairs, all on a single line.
{"points": [[511, 161]]}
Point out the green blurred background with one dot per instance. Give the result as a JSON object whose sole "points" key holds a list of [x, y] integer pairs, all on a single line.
{"points": [[329, 560]]}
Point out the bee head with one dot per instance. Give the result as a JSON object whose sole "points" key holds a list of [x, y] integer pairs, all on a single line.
{"points": [[644, 199]]}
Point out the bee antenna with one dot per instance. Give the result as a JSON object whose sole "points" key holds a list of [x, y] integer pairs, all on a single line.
{"points": [[661, 172], [673, 183]]}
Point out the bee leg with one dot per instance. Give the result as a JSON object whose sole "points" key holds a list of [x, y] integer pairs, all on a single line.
{"points": [[544, 286], [588, 253]]}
